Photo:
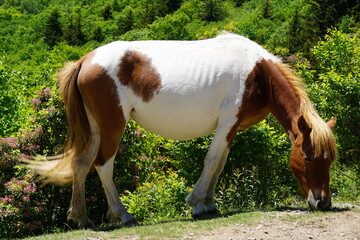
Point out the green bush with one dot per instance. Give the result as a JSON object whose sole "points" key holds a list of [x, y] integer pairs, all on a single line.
{"points": [[161, 197], [334, 86], [171, 27], [336, 90], [147, 166], [24, 206], [257, 173]]}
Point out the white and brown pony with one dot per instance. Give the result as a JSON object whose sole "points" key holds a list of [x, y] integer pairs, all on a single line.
{"points": [[183, 90]]}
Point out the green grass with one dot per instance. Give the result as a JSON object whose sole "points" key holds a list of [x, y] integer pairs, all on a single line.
{"points": [[178, 228], [186, 227], [164, 230]]}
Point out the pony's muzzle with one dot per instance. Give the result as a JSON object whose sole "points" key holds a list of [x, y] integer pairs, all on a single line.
{"points": [[318, 200], [321, 205]]}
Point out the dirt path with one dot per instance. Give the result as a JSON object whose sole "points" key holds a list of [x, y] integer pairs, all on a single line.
{"points": [[289, 225]]}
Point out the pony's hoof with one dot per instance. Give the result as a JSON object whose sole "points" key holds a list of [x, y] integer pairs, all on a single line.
{"points": [[213, 212], [86, 225], [131, 223], [201, 216], [200, 212]]}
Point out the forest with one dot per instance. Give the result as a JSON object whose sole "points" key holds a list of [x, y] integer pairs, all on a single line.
{"points": [[319, 39]]}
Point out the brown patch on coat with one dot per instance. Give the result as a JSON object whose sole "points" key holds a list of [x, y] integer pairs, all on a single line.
{"points": [[137, 72], [100, 95], [254, 106], [266, 90]]}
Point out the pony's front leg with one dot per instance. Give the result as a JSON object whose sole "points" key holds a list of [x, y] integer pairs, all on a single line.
{"points": [[209, 199], [213, 165]]}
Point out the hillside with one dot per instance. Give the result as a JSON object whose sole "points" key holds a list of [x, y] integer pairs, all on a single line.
{"points": [[37, 37], [319, 39]]}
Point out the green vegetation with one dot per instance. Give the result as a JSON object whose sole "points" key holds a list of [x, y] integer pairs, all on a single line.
{"points": [[37, 37]]}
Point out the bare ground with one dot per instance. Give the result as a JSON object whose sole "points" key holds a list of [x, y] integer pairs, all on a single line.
{"points": [[340, 224]]}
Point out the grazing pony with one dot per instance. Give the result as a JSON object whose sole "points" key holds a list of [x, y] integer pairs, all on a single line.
{"points": [[183, 90]]}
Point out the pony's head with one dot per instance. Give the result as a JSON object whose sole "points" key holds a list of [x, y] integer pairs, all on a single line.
{"points": [[314, 150]]}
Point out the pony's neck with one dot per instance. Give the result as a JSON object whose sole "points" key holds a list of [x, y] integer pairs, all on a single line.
{"points": [[282, 99]]}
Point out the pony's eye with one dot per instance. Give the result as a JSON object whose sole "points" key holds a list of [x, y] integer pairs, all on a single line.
{"points": [[307, 157]]}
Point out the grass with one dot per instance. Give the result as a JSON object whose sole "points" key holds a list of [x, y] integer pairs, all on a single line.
{"points": [[186, 227], [295, 211], [165, 230]]}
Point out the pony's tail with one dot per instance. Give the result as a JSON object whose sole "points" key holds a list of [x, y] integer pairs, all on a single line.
{"points": [[58, 169]]}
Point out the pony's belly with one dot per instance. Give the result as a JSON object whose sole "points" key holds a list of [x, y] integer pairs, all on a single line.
{"points": [[174, 122]]}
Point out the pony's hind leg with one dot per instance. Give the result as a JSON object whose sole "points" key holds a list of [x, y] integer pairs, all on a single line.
{"points": [[116, 208], [111, 131], [81, 166], [111, 122]]}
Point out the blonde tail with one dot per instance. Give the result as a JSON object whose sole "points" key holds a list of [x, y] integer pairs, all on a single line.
{"points": [[58, 169]]}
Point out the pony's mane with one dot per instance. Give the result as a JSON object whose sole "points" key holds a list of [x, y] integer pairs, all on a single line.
{"points": [[322, 138]]}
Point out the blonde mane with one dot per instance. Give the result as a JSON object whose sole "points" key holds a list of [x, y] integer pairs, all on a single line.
{"points": [[322, 138]]}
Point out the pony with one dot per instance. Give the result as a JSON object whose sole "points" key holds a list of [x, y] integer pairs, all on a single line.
{"points": [[183, 90]]}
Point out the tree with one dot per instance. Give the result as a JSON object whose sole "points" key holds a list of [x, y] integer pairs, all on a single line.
{"points": [[211, 11], [329, 12], [126, 22], [238, 3], [106, 11], [336, 90], [97, 34], [266, 9], [52, 29], [302, 32], [170, 27], [73, 33], [173, 5]]}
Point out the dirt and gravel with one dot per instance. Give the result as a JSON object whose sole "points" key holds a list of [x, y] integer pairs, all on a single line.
{"points": [[342, 223]]}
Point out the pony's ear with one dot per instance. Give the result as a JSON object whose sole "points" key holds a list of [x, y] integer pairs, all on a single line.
{"points": [[303, 126], [331, 123]]}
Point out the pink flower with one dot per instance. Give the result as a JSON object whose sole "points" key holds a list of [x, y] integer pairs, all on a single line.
{"points": [[30, 188], [26, 198], [47, 91], [137, 133], [10, 141], [35, 101], [51, 110], [7, 199]]}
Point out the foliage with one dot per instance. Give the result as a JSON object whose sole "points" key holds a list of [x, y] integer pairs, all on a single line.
{"points": [[160, 198], [10, 102], [329, 12], [211, 10], [37, 37], [53, 29], [23, 205], [171, 27], [335, 89], [253, 179]]}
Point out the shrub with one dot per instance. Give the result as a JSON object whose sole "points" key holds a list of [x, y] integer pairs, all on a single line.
{"points": [[25, 208], [257, 173], [161, 197], [171, 27], [335, 88], [11, 102]]}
